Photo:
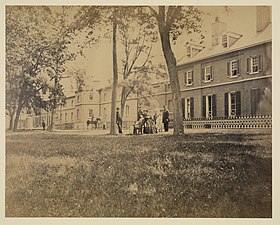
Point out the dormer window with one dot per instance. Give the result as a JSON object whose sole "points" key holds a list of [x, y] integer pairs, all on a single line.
{"points": [[225, 41], [193, 49], [229, 38]]}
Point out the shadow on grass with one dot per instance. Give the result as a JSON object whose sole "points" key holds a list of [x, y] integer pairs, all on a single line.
{"points": [[194, 175]]}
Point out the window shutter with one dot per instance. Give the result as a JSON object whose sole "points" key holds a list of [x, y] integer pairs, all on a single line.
{"points": [[212, 71], [228, 69], [214, 105], [238, 67], [248, 65], [238, 103], [192, 107], [186, 79], [202, 73], [183, 108], [255, 100], [260, 63], [204, 106], [226, 104], [192, 77]]}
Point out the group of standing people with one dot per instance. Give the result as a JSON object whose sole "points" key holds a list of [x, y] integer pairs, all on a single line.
{"points": [[142, 117], [158, 121]]}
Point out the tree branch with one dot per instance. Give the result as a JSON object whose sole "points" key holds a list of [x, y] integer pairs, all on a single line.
{"points": [[139, 49], [154, 12]]}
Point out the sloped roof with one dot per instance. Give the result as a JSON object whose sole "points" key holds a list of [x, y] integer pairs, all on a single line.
{"points": [[247, 40]]}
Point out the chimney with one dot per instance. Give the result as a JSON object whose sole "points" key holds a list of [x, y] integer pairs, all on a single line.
{"points": [[217, 29], [263, 16]]}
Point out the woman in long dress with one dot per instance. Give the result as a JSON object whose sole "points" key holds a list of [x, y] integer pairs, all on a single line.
{"points": [[159, 126]]}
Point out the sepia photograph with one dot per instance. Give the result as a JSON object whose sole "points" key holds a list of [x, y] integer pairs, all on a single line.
{"points": [[138, 111]]}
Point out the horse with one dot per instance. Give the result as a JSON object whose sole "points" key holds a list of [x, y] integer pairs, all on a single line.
{"points": [[93, 121]]}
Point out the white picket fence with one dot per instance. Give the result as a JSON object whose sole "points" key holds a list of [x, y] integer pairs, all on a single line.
{"points": [[242, 122]]}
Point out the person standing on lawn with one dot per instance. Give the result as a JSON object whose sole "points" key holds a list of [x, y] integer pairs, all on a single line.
{"points": [[43, 125], [119, 120], [139, 114], [165, 118]]}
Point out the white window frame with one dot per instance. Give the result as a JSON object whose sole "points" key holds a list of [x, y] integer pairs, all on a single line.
{"points": [[127, 110], [208, 74], [231, 68], [231, 104], [209, 107], [254, 60], [225, 41], [188, 77], [188, 108]]}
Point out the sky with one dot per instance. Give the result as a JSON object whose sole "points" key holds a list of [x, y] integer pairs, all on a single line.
{"points": [[98, 59]]}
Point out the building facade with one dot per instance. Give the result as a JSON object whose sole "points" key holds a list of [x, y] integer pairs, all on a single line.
{"points": [[230, 77]]}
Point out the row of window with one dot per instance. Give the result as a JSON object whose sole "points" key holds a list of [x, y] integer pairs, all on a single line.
{"points": [[90, 114], [193, 50], [232, 105], [91, 97], [71, 116], [37, 121], [254, 65], [127, 111], [78, 99]]}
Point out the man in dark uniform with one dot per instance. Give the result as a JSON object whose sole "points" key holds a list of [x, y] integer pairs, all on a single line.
{"points": [[165, 118], [119, 120], [43, 125]]}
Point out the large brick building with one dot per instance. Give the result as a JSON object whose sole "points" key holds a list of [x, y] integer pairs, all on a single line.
{"points": [[229, 77]]}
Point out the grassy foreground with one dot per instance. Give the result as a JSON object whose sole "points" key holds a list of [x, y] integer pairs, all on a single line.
{"points": [[195, 175]]}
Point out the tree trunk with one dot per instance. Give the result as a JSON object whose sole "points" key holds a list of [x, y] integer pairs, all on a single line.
{"points": [[18, 111], [172, 71], [52, 125], [17, 118], [11, 120], [123, 100], [115, 79]]}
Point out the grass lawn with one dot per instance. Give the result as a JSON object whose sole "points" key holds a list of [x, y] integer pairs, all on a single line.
{"points": [[196, 175]]}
